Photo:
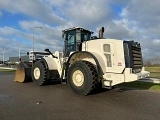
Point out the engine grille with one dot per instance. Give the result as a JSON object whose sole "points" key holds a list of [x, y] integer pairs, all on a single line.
{"points": [[133, 56]]}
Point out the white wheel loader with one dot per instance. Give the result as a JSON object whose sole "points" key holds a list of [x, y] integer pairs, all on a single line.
{"points": [[88, 63]]}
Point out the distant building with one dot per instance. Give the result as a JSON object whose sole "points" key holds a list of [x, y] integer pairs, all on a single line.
{"points": [[16, 59], [29, 57]]}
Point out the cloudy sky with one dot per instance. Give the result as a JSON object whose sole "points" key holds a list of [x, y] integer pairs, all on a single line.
{"points": [[137, 20]]}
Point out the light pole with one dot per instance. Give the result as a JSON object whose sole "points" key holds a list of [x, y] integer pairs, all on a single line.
{"points": [[19, 51], [3, 55], [33, 43], [2, 58]]}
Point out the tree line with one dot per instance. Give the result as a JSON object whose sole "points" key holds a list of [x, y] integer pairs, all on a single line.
{"points": [[152, 62]]}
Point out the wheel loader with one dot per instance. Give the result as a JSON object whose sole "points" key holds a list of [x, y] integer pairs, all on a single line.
{"points": [[87, 62]]}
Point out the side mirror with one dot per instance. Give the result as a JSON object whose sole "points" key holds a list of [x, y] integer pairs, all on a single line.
{"points": [[27, 53], [63, 35], [47, 50]]}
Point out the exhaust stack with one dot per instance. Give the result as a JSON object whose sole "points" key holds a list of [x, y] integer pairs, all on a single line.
{"points": [[101, 31]]}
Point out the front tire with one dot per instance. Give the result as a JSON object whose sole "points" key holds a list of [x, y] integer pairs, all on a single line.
{"points": [[39, 73], [82, 77]]}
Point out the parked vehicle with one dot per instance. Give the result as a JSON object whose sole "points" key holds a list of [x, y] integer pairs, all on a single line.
{"points": [[88, 63]]}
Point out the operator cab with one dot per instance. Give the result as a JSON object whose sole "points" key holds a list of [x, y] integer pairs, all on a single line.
{"points": [[74, 37]]}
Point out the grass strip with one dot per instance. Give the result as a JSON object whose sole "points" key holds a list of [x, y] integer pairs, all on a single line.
{"points": [[141, 85], [7, 70], [153, 69], [156, 75]]}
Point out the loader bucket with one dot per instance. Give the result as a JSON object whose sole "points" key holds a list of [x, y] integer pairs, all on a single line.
{"points": [[23, 73]]}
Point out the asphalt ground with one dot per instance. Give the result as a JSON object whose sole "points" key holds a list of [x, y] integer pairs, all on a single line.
{"points": [[27, 101]]}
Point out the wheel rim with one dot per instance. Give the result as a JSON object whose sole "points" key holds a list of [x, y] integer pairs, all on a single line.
{"points": [[36, 73], [78, 78]]}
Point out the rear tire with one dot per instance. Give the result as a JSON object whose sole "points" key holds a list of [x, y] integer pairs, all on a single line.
{"points": [[82, 77], [39, 73]]}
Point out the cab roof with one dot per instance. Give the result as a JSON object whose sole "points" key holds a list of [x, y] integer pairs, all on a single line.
{"points": [[77, 28]]}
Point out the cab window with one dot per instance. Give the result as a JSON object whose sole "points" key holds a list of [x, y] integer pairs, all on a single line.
{"points": [[107, 53]]}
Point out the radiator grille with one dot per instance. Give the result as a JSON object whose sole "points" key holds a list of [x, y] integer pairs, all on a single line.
{"points": [[133, 56], [136, 57]]}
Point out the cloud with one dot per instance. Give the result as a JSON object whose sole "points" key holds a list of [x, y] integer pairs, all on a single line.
{"points": [[88, 13], [145, 12], [37, 9], [156, 42], [8, 31], [48, 35], [127, 20], [122, 29]]}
